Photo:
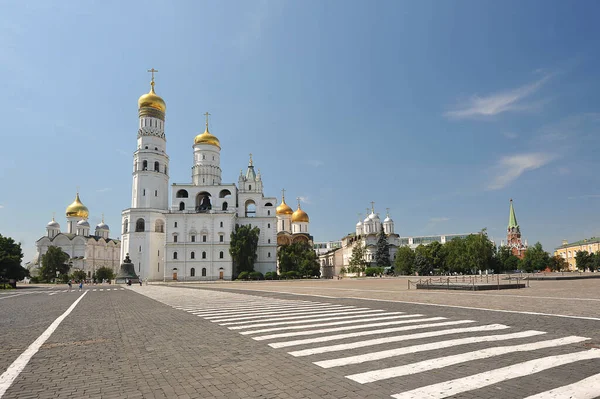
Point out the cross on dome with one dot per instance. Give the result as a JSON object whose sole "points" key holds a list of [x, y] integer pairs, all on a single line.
{"points": [[152, 71]]}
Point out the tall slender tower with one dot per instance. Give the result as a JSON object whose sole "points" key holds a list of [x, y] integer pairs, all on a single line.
{"points": [[143, 234], [513, 234]]}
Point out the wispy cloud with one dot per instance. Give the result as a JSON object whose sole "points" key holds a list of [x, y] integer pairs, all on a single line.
{"points": [[103, 190], [305, 200], [315, 163], [510, 135], [578, 125], [439, 219], [509, 168], [493, 104], [1, 206], [584, 196]]}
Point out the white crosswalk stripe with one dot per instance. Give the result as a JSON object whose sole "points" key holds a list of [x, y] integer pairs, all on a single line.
{"points": [[588, 388], [446, 361], [369, 357], [326, 330], [476, 381]]}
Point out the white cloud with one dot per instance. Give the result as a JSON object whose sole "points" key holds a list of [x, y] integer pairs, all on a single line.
{"points": [[1, 206], [306, 200], [509, 168], [493, 104], [103, 190], [439, 219], [510, 135]]}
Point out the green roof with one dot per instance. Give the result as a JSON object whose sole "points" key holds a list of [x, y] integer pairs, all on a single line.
{"points": [[585, 241], [512, 219]]}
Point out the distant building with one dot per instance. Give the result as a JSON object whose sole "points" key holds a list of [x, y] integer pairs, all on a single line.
{"points": [[569, 251], [513, 235], [326, 247]]}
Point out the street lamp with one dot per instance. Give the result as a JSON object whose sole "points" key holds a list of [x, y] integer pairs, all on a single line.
{"points": [[57, 274]]}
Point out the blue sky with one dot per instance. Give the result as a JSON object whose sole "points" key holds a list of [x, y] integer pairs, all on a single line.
{"points": [[439, 110]]}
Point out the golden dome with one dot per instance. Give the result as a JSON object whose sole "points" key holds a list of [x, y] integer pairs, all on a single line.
{"points": [[283, 208], [77, 209], [299, 215], [152, 100], [207, 138]]}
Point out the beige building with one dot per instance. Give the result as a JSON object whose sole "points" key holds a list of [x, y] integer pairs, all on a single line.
{"points": [[331, 263], [568, 251]]}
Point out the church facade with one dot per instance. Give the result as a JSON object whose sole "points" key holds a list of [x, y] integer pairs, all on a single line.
{"points": [[87, 252], [190, 238]]}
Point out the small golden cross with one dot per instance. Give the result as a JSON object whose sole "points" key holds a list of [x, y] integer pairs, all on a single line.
{"points": [[153, 70], [207, 115], [250, 159]]}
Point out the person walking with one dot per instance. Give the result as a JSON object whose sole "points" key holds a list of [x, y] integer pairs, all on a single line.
{"points": [[70, 285], [80, 285]]}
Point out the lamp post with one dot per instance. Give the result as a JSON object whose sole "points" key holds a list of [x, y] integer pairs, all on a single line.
{"points": [[57, 274]]}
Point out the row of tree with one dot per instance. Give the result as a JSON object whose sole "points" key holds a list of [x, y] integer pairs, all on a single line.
{"points": [[587, 261], [472, 254]]}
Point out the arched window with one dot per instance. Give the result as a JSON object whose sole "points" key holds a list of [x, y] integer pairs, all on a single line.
{"points": [[192, 272], [145, 165], [125, 226], [156, 166], [204, 272], [203, 255], [250, 209], [203, 202], [224, 193], [174, 255], [182, 206], [221, 255], [250, 187], [181, 194], [221, 224], [193, 255], [224, 206], [159, 226], [146, 147], [140, 225]]}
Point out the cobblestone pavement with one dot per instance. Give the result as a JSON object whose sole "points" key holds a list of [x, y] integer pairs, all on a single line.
{"points": [[239, 341]]}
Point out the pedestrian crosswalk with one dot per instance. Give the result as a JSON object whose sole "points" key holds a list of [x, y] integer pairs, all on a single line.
{"points": [[371, 346]]}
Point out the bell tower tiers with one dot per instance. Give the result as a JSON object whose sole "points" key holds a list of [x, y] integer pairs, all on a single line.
{"points": [[207, 159], [150, 160]]}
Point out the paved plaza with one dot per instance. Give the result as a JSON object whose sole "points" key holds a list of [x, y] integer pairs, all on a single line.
{"points": [[351, 338]]}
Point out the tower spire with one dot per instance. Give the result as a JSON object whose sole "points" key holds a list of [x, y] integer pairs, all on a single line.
{"points": [[512, 218]]}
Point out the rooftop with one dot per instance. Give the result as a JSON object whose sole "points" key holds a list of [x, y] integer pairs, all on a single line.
{"points": [[585, 241]]}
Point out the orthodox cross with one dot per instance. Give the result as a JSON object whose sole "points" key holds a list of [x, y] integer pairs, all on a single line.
{"points": [[207, 115], [372, 207], [387, 211], [283, 194], [298, 198], [250, 159], [152, 71]]}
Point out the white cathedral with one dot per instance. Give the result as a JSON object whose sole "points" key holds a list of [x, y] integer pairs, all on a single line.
{"points": [[87, 252], [189, 240]]}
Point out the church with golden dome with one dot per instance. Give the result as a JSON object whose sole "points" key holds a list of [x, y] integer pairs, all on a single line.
{"points": [[86, 251], [183, 232], [292, 226]]}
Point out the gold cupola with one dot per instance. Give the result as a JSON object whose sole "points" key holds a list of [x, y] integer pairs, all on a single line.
{"points": [[283, 208], [151, 104], [77, 209], [206, 137], [299, 215]]}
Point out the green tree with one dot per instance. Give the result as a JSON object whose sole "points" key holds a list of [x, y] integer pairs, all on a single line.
{"points": [[405, 261], [535, 259], [299, 257], [438, 256], [78, 275], [456, 256], [54, 260], [10, 260], [480, 252], [243, 246], [423, 261], [104, 273], [585, 260], [557, 263], [357, 263], [502, 257], [382, 256]]}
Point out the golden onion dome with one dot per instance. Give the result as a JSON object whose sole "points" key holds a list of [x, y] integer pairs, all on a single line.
{"points": [[152, 100], [299, 215], [77, 209], [283, 208], [207, 138]]}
